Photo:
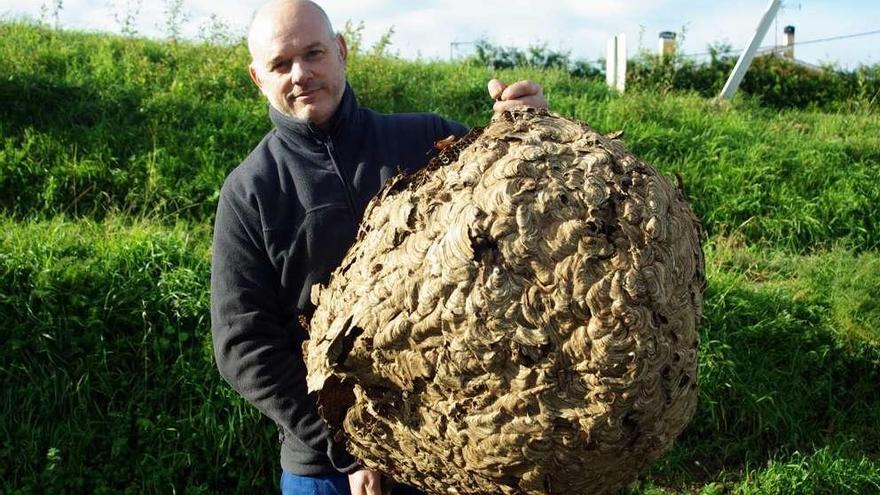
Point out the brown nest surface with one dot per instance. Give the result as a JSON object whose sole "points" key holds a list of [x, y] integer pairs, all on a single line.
{"points": [[520, 320]]}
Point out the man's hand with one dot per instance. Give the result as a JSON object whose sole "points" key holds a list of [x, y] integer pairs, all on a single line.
{"points": [[365, 482], [521, 93]]}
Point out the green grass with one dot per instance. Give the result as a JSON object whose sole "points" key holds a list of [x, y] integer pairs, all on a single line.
{"points": [[780, 372], [96, 123], [107, 376], [112, 151], [107, 370], [824, 471]]}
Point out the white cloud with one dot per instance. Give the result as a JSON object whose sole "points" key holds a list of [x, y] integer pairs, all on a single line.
{"points": [[429, 31]]}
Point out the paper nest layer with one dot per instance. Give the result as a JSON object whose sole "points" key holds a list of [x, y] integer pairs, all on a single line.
{"points": [[522, 320]]}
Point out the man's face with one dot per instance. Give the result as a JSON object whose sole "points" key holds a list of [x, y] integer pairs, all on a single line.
{"points": [[300, 66]]}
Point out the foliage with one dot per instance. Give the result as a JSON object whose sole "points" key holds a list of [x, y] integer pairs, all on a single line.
{"points": [[218, 31], [774, 81], [354, 35], [535, 56], [175, 18], [51, 10], [125, 14]]}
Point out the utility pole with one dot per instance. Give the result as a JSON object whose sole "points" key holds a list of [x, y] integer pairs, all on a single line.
{"points": [[745, 60], [615, 62]]}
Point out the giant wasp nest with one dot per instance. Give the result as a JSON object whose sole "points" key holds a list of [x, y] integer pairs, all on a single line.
{"points": [[522, 320]]}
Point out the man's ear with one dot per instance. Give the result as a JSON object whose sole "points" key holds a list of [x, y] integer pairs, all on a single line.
{"points": [[252, 71], [343, 48]]}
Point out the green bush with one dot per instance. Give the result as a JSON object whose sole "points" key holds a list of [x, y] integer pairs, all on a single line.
{"points": [[772, 80]]}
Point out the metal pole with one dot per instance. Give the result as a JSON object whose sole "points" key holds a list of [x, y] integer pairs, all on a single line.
{"points": [[745, 60], [621, 62], [611, 62], [615, 62]]}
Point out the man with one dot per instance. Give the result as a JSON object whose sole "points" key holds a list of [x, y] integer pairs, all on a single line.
{"points": [[287, 215]]}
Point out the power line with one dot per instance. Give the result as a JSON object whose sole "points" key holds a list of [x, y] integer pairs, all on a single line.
{"points": [[842, 37], [798, 43]]}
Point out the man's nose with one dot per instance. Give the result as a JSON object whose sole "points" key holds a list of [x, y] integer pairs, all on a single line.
{"points": [[299, 72]]}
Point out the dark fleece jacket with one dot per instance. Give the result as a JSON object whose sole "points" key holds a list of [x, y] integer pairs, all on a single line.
{"points": [[285, 218]]}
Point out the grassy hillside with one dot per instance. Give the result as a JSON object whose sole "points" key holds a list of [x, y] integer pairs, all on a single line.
{"points": [[112, 151], [92, 124]]}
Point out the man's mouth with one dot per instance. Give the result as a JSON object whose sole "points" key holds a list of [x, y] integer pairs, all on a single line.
{"points": [[302, 95]]}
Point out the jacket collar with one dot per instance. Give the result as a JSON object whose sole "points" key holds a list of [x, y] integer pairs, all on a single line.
{"points": [[299, 130]]}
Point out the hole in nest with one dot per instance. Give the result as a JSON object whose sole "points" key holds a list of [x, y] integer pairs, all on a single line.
{"points": [[658, 319], [629, 422], [529, 356], [334, 400], [485, 247], [685, 379], [591, 228]]}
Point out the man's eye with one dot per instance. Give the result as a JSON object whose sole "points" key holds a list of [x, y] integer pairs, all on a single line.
{"points": [[314, 53], [278, 66]]}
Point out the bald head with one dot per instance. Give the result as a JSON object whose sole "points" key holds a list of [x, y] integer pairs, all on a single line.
{"points": [[277, 17], [297, 61]]}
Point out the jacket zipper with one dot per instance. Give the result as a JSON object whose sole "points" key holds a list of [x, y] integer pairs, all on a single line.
{"points": [[348, 195]]}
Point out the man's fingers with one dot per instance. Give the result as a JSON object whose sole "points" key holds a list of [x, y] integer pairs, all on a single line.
{"points": [[529, 101], [521, 93], [373, 489], [373, 486], [496, 87], [502, 106], [520, 89], [365, 482]]}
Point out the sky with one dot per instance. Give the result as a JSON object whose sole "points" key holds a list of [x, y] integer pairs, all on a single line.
{"points": [[440, 29]]}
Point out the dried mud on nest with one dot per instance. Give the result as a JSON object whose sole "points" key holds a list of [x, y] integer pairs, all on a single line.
{"points": [[520, 317]]}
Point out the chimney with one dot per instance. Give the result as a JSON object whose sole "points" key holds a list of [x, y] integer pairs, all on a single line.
{"points": [[666, 47], [788, 51]]}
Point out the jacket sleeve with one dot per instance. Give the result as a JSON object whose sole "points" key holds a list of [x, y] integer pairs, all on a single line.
{"points": [[255, 350], [451, 127]]}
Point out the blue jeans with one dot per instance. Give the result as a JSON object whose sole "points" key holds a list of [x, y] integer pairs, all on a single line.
{"points": [[333, 484]]}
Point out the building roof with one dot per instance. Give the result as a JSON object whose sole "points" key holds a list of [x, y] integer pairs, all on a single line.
{"points": [[779, 51]]}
